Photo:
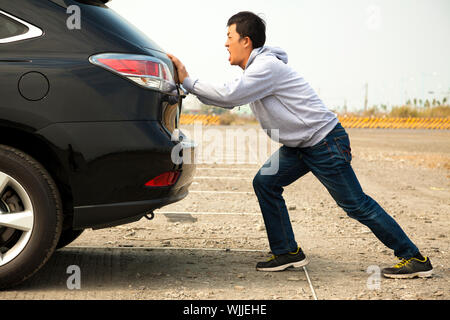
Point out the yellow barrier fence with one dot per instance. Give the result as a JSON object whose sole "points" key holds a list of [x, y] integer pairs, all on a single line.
{"points": [[349, 122], [205, 119], [396, 123]]}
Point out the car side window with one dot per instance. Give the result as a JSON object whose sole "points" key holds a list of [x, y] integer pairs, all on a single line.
{"points": [[11, 28]]}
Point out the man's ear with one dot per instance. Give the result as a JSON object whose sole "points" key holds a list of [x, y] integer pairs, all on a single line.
{"points": [[248, 42]]}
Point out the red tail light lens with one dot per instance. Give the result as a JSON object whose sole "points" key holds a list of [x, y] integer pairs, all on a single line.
{"points": [[135, 67], [164, 180], [146, 71]]}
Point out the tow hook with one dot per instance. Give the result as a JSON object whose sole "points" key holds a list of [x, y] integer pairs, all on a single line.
{"points": [[149, 215]]}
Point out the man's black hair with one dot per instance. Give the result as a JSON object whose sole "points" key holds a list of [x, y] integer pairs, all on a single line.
{"points": [[250, 25]]}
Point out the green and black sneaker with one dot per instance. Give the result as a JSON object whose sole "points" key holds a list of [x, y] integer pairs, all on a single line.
{"points": [[410, 268], [283, 261]]}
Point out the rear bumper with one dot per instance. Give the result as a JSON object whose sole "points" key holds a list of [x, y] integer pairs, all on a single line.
{"points": [[109, 215], [113, 214], [108, 165]]}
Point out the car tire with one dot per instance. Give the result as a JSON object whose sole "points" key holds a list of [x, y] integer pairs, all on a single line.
{"points": [[30, 216], [67, 237]]}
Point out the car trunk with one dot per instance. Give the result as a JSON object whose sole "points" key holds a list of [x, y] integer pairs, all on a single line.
{"points": [[108, 21]]}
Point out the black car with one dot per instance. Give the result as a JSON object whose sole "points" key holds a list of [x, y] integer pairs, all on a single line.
{"points": [[88, 128]]}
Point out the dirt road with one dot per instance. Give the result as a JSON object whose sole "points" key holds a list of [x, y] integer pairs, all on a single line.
{"points": [[206, 246]]}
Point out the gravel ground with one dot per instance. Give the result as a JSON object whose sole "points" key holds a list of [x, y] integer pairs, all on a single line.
{"points": [[206, 246]]}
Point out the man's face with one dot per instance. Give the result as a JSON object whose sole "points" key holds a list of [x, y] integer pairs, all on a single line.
{"points": [[238, 47]]}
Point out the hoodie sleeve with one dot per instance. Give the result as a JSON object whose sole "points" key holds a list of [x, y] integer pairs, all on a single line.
{"points": [[256, 83]]}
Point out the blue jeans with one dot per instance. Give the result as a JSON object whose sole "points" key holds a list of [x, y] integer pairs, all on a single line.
{"points": [[329, 161]]}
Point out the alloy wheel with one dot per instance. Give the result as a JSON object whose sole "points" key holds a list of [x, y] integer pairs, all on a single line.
{"points": [[16, 218]]}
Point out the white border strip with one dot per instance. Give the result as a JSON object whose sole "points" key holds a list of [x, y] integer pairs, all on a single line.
{"points": [[220, 192], [223, 177], [208, 213], [168, 248], [230, 162], [228, 169], [310, 284], [33, 31]]}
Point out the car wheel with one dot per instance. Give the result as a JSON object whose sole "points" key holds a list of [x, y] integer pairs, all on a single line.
{"points": [[30, 216], [67, 237]]}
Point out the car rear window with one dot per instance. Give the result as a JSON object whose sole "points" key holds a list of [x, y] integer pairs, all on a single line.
{"points": [[110, 21], [11, 28]]}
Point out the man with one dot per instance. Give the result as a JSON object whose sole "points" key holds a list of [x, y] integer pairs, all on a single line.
{"points": [[313, 141]]}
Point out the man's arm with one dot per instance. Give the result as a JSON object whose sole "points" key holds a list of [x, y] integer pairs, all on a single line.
{"points": [[255, 83]]}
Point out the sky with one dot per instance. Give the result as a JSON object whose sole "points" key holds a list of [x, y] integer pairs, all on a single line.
{"points": [[400, 49]]}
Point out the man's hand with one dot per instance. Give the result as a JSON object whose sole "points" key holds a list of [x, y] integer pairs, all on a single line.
{"points": [[182, 73]]}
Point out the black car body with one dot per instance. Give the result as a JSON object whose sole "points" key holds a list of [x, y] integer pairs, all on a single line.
{"points": [[101, 135]]}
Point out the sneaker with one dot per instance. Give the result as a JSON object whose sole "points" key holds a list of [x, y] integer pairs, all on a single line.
{"points": [[409, 268], [283, 261]]}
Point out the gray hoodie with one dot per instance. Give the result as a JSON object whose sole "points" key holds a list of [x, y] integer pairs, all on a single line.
{"points": [[279, 97]]}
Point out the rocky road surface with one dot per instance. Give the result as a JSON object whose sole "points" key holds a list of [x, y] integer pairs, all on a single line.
{"points": [[206, 246]]}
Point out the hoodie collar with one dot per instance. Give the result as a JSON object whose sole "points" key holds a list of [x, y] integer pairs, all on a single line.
{"points": [[253, 54], [266, 50]]}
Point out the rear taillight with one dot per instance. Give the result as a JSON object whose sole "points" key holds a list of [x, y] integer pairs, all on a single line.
{"points": [[146, 71], [164, 180]]}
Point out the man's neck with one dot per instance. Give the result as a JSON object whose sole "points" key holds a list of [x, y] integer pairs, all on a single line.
{"points": [[244, 62]]}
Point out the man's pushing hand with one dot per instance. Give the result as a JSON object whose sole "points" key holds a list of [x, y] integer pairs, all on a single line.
{"points": [[181, 69]]}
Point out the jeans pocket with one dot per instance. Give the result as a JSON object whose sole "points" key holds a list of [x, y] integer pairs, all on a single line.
{"points": [[320, 154], [321, 144], [343, 144]]}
